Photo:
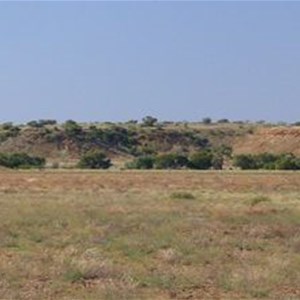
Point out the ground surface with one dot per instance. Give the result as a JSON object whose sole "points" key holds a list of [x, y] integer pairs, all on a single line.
{"points": [[149, 235]]}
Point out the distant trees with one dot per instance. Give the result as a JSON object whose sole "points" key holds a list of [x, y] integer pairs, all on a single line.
{"points": [[41, 123], [207, 120], [142, 163], [221, 121], [245, 162], [8, 130], [201, 160], [171, 147], [132, 122], [21, 160], [208, 159], [7, 126], [288, 162], [267, 161], [171, 161], [72, 128], [149, 121], [94, 159]]}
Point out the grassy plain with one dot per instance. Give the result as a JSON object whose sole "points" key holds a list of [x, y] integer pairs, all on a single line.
{"points": [[149, 235]]}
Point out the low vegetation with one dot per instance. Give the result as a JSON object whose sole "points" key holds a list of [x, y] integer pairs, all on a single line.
{"points": [[156, 235], [201, 160], [21, 161], [267, 161], [94, 160], [152, 144]]}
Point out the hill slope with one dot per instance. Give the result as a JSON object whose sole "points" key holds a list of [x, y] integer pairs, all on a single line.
{"points": [[273, 140], [123, 141]]}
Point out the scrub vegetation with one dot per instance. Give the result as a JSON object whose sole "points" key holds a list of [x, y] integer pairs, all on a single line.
{"points": [[149, 235], [152, 144]]}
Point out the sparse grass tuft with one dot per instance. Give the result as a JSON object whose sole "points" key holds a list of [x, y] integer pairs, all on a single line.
{"points": [[259, 199], [73, 275], [182, 195]]}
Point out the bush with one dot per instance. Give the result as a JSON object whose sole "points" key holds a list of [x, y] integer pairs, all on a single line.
{"points": [[201, 160], [287, 162], [245, 162], [206, 121], [41, 123], [94, 160], [114, 136], [149, 121], [259, 199], [222, 121], [9, 130], [171, 161], [72, 128], [21, 160], [7, 126], [182, 195], [224, 150], [143, 163], [267, 161]]}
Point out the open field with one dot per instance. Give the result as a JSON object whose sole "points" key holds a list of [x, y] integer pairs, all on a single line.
{"points": [[149, 235]]}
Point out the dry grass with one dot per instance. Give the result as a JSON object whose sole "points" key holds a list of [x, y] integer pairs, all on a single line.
{"points": [[149, 235], [277, 140]]}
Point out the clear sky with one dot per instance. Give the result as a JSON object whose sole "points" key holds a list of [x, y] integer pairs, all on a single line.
{"points": [[115, 61]]}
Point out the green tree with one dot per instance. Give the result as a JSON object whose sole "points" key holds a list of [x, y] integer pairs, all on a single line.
{"points": [[287, 162], [206, 120], [222, 121], [245, 162], [171, 161], [94, 159], [143, 163], [266, 161], [72, 129], [201, 160], [149, 121], [21, 160]]}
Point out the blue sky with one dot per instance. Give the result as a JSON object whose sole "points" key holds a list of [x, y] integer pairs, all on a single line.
{"points": [[115, 61]]}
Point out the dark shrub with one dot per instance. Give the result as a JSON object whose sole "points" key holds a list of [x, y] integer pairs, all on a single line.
{"points": [[267, 161], [201, 160], [94, 160], [143, 163], [9, 130], [171, 161], [7, 126], [21, 160], [149, 121], [206, 120], [34, 124], [245, 162], [41, 123], [182, 195], [72, 128], [225, 150], [223, 121], [287, 162]]}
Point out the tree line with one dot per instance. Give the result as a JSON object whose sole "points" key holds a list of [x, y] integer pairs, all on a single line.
{"points": [[201, 160]]}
